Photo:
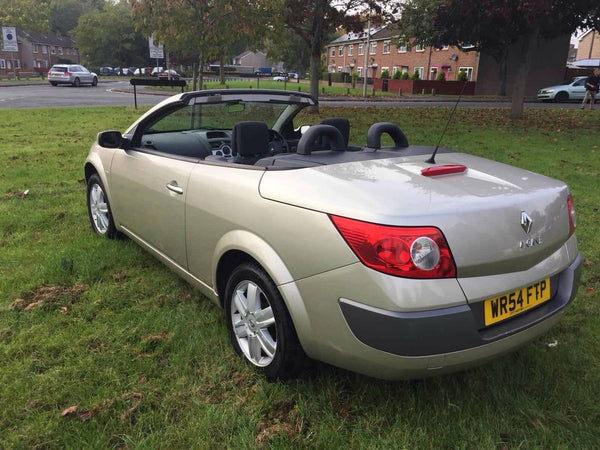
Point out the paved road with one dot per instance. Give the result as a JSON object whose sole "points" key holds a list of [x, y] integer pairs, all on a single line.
{"points": [[110, 93]]}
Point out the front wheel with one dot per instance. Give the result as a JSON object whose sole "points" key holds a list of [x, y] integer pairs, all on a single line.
{"points": [[562, 97], [261, 329], [53, 83], [99, 208]]}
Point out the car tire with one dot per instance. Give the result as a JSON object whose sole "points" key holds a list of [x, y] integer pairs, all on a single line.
{"points": [[53, 83], [95, 82], [98, 208], [260, 326], [561, 97], [76, 82]]}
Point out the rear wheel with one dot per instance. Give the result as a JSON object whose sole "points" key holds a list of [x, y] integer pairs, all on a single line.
{"points": [[53, 83], [99, 208], [562, 97], [76, 82], [261, 329], [95, 82]]}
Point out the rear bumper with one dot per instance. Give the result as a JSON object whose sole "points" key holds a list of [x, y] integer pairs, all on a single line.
{"points": [[457, 328]]}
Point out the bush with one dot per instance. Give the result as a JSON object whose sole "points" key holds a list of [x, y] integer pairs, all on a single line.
{"points": [[385, 75], [397, 75], [415, 76], [461, 76], [441, 76], [336, 77], [404, 75]]}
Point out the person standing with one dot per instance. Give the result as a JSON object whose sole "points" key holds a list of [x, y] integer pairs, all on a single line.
{"points": [[591, 88]]}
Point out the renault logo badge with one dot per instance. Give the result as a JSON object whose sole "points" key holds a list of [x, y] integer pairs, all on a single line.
{"points": [[526, 222]]}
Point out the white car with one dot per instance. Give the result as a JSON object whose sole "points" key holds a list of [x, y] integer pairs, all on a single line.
{"points": [[73, 74], [573, 89], [280, 78]]}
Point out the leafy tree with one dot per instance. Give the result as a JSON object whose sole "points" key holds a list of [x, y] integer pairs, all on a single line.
{"points": [[27, 14], [397, 75], [404, 75], [441, 76], [210, 29], [385, 74], [108, 37], [462, 76], [415, 76], [286, 46], [493, 26]]}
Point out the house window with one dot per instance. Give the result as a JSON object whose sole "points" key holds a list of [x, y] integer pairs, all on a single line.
{"points": [[383, 69], [53, 50], [394, 70], [340, 68], [469, 71], [386, 46], [350, 49], [341, 50], [467, 45], [359, 71], [2, 64], [420, 47], [60, 50], [74, 52], [402, 48], [332, 68], [419, 70], [332, 52], [361, 49], [433, 73], [36, 48], [373, 48], [44, 49]]}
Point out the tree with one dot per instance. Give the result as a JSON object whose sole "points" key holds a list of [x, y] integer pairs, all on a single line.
{"points": [[210, 29], [108, 37], [493, 26], [289, 48], [27, 14]]}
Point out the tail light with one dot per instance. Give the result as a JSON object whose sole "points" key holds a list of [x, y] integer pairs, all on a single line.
{"points": [[571, 211], [49, 72], [68, 74], [410, 252]]}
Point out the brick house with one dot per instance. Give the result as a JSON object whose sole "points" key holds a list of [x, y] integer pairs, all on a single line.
{"points": [[589, 45], [38, 51], [347, 54]]}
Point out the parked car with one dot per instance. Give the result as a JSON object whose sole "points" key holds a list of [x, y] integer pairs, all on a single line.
{"points": [[573, 89], [166, 74], [107, 71], [280, 78], [142, 71], [129, 71], [372, 258], [156, 71], [73, 74]]}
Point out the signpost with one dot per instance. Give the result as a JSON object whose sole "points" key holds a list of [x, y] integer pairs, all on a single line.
{"points": [[9, 39], [157, 50]]}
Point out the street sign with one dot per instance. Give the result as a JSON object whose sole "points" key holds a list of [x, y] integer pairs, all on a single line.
{"points": [[156, 49], [9, 39]]}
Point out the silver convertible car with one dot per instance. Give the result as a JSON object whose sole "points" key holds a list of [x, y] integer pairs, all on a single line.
{"points": [[378, 259]]}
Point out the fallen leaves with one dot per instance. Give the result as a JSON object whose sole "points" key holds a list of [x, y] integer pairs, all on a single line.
{"points": [[283, 418], [17, 194], [86, 414], [134, 399]]}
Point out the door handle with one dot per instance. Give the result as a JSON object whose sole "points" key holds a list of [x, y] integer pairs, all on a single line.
{"points": [[173, 187]]}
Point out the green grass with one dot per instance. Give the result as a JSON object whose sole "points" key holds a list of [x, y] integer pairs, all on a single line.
{"points": [[147, 360]]}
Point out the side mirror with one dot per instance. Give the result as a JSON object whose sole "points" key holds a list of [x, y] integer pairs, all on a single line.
{"points": [[110, 139]]}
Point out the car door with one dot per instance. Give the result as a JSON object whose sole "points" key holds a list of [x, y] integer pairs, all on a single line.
{"points": [[578, 89], [149, 189]]}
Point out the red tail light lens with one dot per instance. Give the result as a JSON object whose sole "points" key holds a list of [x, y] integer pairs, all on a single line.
{"points": [[410, 252], [68, 74], [571, 211]]}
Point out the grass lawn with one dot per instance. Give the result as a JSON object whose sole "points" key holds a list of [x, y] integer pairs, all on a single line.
{"points": [[147, 362]]}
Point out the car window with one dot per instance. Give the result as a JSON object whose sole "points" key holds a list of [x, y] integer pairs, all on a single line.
{"points": [[579, 83], [58, 69], [182, 119]]}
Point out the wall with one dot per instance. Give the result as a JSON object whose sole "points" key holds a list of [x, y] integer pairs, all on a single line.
{"points": [[417, 86], [583, 51], [546, 69]]}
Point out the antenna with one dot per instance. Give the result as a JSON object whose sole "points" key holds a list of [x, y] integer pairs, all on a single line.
{"points": [[431, 160]]}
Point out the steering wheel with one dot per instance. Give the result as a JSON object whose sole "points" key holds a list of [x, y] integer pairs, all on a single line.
{"points": [[277, 143]]}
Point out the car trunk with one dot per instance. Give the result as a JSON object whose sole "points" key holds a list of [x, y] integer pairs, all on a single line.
{"points": [[479, 210]]}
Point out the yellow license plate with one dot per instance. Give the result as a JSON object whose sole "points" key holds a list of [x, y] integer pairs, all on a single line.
{"points": [[512, 303]]}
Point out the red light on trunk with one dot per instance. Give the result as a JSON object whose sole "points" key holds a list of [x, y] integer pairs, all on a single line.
{"points": [[443, 170], [68, 74], [409, 252]]}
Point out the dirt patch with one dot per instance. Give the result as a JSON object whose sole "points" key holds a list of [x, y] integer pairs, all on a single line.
{"points": [[48, 295], [283, 418]]}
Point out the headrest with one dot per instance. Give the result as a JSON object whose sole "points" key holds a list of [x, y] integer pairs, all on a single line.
{"points": [[377, 129], [309, 140], [342, 124], [250, 138]]}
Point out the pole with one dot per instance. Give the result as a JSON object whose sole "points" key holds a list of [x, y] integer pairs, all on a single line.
{"points": [[367, 56]]}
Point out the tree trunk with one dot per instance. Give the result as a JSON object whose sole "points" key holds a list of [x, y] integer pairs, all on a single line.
{"points": [[201, 72], [528, 46], [318, 35], [315, 62], [502, 74], [195, 77], [221, 72]]}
